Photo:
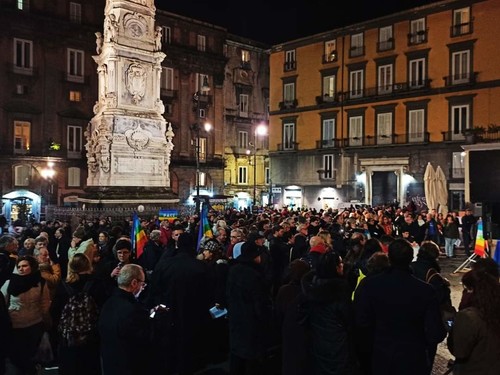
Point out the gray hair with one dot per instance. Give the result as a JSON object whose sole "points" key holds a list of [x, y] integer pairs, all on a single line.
{"points": [[6, 240], [155, 235], [128, 273]]}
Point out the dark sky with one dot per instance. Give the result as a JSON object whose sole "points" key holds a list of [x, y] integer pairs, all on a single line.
{"points": [[275, 21]]}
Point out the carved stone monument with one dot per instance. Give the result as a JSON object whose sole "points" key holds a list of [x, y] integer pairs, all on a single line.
{"points": [[129, 143]]}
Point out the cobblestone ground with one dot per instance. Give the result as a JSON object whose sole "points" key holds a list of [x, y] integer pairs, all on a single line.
{"points": [[448, 268]]}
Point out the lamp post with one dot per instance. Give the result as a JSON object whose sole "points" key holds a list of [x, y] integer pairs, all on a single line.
{"points": [[200, 100], [260, 130]]}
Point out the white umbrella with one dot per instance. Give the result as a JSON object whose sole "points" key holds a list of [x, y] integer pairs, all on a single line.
{"points": [[430, 186], [441, 191]]}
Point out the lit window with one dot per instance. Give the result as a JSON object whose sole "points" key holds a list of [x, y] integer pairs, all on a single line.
{"points": [[73, 177], [22, 133], [75, 96]]}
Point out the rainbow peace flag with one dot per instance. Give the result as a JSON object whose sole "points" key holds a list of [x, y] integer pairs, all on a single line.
{"points": [[481, 245], [138, 236], [205, 231]]}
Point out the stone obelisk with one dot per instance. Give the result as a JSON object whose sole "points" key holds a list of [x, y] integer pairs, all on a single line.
{"points": [[129, 143]]}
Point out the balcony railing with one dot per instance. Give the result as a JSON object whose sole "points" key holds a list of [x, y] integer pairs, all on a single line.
{"points": [[461, 29], [374, 141], [468, 78], [385, 45], [289, 66], [417, 37], [288, 104], [291, 146]]}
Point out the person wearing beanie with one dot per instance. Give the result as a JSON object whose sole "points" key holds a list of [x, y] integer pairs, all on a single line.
{"points": [[82, 242]]}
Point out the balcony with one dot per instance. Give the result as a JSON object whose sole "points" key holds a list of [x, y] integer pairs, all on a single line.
{"points": [[417, 37], [290, 146], [386, 45], [356, 51], [330, 57], [329, 143], [461, 29], [468, 78], [289, 66], [288, 104], [168, 93]]}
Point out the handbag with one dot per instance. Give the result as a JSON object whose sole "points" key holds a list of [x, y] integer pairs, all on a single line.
{"points": [[44, 354]]}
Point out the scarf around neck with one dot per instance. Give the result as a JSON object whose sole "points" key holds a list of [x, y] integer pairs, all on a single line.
{"points": [[22, 283]]}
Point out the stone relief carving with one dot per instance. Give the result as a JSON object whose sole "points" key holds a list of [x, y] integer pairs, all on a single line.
{"points": [[99, 146], [135, 80], [98, 42], [135, 25], [138, 138], [111, 29]]}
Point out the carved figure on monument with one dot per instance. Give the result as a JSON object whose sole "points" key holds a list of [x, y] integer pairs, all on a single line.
{"points": [[159, 106], [111, 28], [136, 82], [98, 42], [135, 25], [138, 138], [102, 71], [158, 36]]}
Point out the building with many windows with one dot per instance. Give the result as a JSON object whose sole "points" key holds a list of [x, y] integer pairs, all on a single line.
{"points": [[49, 83], [358, 112]]}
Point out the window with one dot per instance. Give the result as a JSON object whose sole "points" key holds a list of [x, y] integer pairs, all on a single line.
{"points": [[417, 31], [242, 139], [21, 89], [267, 176], [356, 84], [357, 45], [328, 171], [23, 56], [416, 121], [73, 177], [166, 35], [458, 165], [202, 179], [245, 56], [460, 120], [289, 136], [385, 39], [460, 67], [201, 42], [202, 149], [74, 141], [461, 22], [385, 79], [202, 83], [329, 88], [355, 131], [75, 12], [243, 105], [75, 65], [23, 5], [384, 128], [417, 76], [22, 136], [290, 60], [242, 175], [75, 96], [330, 51], [167, 78], [22, 175], [289, 92], [328, 133]]}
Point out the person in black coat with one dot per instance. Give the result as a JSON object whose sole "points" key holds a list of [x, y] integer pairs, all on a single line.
{"points": [[153, 250], [181, 283], [82, 359], [318, 331], [125, 328], [398, 316], [61, 246], [249, 312]]}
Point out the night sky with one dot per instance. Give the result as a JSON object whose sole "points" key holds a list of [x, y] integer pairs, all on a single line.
{"points": [[276, 21]]}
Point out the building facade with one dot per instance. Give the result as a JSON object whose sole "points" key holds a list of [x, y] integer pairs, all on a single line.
{"points": [[50, 88], [358, 112]]}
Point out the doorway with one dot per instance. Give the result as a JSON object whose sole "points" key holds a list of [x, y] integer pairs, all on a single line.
{"points": [[384, 188]]}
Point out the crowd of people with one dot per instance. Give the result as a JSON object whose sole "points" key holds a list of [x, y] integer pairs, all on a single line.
{"points": [[351, 292]]}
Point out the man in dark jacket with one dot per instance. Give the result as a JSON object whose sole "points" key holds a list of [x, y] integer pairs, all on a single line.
{"points": [[398, 317], [181, 283], [152, 253], [125, 328], [249, 311]]}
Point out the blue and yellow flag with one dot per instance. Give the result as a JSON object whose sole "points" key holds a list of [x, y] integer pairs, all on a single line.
{"points": [[205, 231]]}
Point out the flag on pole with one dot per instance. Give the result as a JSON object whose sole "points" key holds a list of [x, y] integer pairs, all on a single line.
{"points": [[205, 231], [138, 236], [480, 245]]}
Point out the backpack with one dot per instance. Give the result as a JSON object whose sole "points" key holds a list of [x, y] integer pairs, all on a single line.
{"points": [[448, 311], [78, 323]]}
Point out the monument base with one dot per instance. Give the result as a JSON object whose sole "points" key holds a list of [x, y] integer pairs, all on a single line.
{"points": [[127, 196]]}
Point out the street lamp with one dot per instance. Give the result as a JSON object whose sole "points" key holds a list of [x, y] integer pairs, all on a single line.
{"points": [[260, 130], [201, 101]]}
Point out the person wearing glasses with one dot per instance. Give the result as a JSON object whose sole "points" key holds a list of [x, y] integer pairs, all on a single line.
{"points": [[125, 327]]}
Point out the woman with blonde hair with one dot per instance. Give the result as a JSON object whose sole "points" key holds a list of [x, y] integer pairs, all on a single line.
{"points": [[83, 359]]}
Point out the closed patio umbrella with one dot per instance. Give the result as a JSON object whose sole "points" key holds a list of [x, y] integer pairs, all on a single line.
{"points": [[430, 186], [441, 191]]}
